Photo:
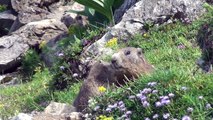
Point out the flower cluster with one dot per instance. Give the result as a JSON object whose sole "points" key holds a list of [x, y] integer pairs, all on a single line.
{"points": [[112, 42], [103, 117], [121, 107], [102, 89]]}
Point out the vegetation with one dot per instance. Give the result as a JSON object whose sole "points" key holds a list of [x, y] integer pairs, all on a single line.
{"points": [[104, 7], [3, 8], [178, 89]]}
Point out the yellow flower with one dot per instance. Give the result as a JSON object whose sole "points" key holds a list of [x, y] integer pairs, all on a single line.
{"points": [[145, 35], [42, 44], [1, 105], [112, 42], [38, 69], [103, 117], [102, 89]]}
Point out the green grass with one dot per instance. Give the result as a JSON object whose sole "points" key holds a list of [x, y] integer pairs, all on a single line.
{"points": [[175, 68], [33, 95]]}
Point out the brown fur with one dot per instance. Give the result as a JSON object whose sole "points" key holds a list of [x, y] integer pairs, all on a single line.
{"points": [[127, 62]]}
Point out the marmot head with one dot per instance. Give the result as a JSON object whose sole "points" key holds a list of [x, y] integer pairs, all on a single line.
{"points": [[132, 61]]}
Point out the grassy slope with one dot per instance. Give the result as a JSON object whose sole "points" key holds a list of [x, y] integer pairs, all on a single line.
{"points": [[174, 68]]}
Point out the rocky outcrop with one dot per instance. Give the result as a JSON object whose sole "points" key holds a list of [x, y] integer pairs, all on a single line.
{"points": [[13, 47], [148, 11]]}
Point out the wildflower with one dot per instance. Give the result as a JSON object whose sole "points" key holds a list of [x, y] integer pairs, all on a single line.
{"points": [[144, 35], [108, 109], [146, 91], [96, 108], [120, 103], [152, 84], [128, 112], [75, 75], [166, 115], [165, 102], [155, 116], [146, 104], [62, 67], [112, 42], [1, 105], [155, 91], [184, 88], [200, 97], [60, 54], [42, 44], [171, 95], [189, 109], [143, 97], [147, 118], [165, 98], [158, 104], [208, 106], [102, 89], [186, 118], [181, 46], [131, 97]]}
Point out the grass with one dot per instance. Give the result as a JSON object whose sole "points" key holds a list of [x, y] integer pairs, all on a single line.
{"points": [[172, 49]]}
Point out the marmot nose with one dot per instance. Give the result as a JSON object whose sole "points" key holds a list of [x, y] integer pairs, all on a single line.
{"points": [[113, 61]]}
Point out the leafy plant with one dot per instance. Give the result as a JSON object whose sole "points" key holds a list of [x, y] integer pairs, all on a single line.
{"points": [[30, 61], [3, 8], [104, 7]]}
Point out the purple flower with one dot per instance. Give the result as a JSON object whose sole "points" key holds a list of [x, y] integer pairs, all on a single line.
{"points": [[208, 106], [62, 67], [143, 98], [165, 98], [181, 46], [96, 108], [128, 112], [200, 97], [122, 106], [145, 104], [123, 109], [190, 109], [147, 118], [186, 118], [120, 103], [184, 88], [171, 95], [146, 91], [108, 109], [155, 91], [60, 54], [152, 84], [166, 115], [158, 104], [131, 97], [155, 116], [165, 102]]}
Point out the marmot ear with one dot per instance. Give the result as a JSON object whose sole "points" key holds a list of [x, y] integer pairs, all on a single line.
{"points": [[139, 51]]}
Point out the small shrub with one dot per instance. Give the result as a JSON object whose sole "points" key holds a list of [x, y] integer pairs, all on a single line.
{"points": [[3, 8], [30, 61]]}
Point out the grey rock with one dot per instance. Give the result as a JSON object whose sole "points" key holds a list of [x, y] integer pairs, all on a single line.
{"points": [[55, 108], [22, 116], [7, 19], [13, 47]]}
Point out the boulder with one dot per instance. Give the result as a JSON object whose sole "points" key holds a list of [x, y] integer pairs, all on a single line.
{"points": [[7, 19], [13, 47], [143, 12], [22, 116]]}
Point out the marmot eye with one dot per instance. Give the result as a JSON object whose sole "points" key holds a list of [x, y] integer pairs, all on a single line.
{"points": [[127, 52], [139, 52]]}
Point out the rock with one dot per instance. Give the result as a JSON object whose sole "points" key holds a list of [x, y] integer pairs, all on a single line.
{"points": [[13, 47], [58, 111], [22, 116], [147, 11], [55, 108], [7, 18], [122, 9]]}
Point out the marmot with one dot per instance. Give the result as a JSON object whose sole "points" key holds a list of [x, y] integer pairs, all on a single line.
{"points": [[127, 62]]}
